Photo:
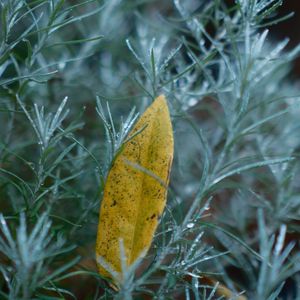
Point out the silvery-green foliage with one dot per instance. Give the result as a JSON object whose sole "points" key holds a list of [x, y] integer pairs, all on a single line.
{"points": [[29, 256], [234, 200]]}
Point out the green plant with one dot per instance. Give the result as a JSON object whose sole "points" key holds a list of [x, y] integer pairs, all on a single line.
{"points": [[233, 207]]}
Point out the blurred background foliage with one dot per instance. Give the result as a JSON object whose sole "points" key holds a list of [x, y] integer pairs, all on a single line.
{"points": [[234, 206]]}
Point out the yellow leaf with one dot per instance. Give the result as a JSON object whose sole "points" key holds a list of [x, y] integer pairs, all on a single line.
{"points": [[136, 189]]}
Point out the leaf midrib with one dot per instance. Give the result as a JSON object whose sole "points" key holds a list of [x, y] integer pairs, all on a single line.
{"points": [[141, 192]]}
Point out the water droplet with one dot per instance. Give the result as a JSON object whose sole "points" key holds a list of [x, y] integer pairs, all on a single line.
{"points": [[31, 165], [190, 225], [61, 65], [193, 101], [206, 207]]}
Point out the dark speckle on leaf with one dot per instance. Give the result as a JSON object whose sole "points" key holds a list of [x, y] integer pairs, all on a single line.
{"points": [[114, 203]]}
